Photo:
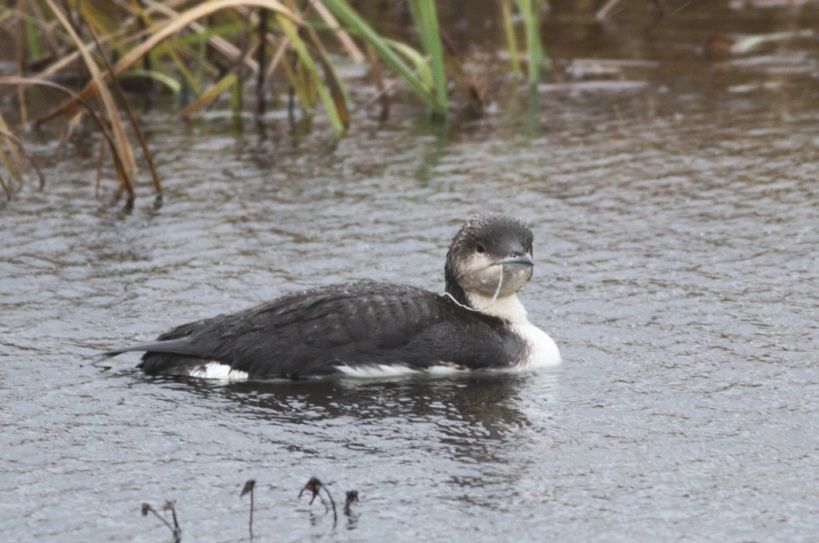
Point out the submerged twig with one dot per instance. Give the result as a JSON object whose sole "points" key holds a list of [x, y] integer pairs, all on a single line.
{"points": [[352, 497], [176, 531], [171, 506], [315, 486], [248, 489]]}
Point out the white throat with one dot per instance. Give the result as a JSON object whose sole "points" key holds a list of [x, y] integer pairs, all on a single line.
{"points": [[507, 308], [541, 349]]}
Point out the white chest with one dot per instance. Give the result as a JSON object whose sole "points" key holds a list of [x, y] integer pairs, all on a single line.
{"points": [[541, 349]]}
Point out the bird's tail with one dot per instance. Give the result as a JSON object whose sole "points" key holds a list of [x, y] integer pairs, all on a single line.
{"points": [[171, 346]]}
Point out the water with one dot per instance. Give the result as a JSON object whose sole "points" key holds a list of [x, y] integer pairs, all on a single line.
{"points": [[675, 218]]}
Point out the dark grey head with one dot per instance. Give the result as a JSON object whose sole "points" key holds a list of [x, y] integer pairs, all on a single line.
{"points": [[489, 257]]}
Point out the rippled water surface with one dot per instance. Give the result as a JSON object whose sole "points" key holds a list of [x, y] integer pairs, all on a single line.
{"points": [[676, 218]]}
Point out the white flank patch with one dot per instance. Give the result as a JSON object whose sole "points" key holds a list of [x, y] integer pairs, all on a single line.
{"points": [[217, 370], [445, 369], [375, 371], [370, 371]]}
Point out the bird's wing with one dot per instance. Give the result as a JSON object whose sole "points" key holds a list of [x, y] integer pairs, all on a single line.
{"points": [[314, 331]]}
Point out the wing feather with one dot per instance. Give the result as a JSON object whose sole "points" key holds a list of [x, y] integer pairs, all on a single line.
{"points": [[312, 332]]}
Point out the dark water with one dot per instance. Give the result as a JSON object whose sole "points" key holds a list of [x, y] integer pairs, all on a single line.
{"points": [[675, 209]]}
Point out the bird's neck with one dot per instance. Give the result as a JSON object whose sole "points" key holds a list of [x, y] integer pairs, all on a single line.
{"points": [[457, 293], [508, 308]]}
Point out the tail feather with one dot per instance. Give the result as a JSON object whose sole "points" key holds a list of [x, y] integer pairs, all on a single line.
{"points": [[172, 346], [169, 357]]}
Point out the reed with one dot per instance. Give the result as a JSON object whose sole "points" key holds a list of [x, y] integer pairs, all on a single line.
{"points": [[383, 48], [101, 124], [426, 23], [528, 12], [511, 38], [206, 51]]}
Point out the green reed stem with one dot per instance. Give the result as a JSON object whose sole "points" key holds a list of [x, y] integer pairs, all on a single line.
{"points": [[530, 13], [426, 22], [355, 24]]}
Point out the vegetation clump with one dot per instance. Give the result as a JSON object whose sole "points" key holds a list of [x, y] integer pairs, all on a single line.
{"points": [[82, 54]]}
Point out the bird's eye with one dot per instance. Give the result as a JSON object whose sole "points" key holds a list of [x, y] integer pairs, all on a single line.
{"points": [[480, 248]]}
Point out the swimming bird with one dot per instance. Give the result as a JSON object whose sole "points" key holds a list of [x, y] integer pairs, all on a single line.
{"points": [[373, 328]]}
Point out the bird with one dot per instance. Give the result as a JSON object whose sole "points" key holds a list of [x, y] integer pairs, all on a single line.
{"points": [[376, 329]]}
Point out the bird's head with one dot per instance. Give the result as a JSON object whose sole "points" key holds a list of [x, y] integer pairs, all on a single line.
{"points": [[490, 258]]}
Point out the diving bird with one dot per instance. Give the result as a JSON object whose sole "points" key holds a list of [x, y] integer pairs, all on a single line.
{"points": [[373, 328]]}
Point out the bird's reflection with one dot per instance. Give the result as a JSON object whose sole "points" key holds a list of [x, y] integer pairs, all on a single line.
{"points": [[471, 413]]}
